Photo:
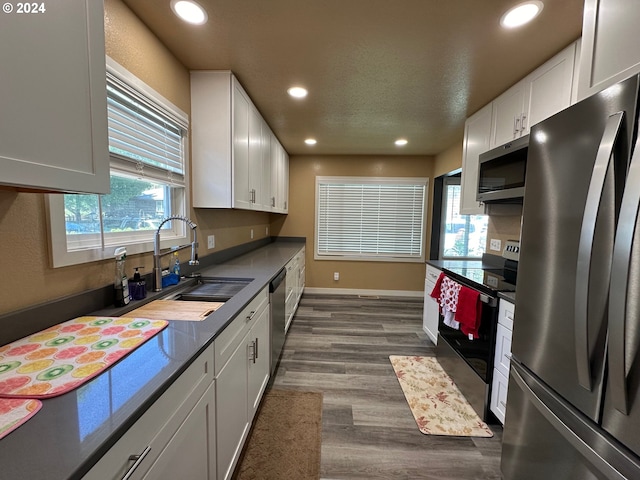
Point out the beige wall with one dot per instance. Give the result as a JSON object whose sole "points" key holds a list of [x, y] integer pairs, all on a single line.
{"points": [[23, 229], [300, 221], [449, 160]]}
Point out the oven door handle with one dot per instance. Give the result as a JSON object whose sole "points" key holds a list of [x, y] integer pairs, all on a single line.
{"points": [[491, 301]]}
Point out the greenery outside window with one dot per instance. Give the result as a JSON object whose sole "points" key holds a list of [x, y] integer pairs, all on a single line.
{"points": [[370, 218], [148, 151], [462, 236]]}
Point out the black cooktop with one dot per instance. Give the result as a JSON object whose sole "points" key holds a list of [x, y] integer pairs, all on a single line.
{"points": [[488, 279]]}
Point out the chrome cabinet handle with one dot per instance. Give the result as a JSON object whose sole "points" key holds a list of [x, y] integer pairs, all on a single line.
{"points": [[585, 248], [503, 404], [250, 316], [508, 356], [516, 125], [256, 349], [252, 348], [137, 459], [523, 122]]}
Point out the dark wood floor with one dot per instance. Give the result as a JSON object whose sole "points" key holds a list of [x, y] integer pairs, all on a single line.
{"points": [[340, 345]]}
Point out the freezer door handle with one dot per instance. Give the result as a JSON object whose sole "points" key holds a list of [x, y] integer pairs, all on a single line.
{"points": [[585, 249], [621, 281]]}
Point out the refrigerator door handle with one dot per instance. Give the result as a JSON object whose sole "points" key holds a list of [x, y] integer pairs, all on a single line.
{"points": [[585, 248], [620, 283]]}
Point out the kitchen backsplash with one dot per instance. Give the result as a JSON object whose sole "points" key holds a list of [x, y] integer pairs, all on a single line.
{"points": [[503, 228]]}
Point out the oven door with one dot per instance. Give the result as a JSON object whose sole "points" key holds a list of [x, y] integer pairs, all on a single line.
{"points": [[478, 352]]}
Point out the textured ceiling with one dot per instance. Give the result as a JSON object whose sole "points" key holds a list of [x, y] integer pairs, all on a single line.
{"points": [[376, 70]]}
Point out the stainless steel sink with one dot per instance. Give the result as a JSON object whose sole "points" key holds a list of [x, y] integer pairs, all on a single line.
{"points": [[211, 289]]}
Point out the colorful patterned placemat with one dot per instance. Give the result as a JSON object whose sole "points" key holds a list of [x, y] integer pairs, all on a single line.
{"points": [[15, 411], [63, 357]]}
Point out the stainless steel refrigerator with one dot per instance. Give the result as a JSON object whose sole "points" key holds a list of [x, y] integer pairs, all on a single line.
{"points": [[573, 408]]}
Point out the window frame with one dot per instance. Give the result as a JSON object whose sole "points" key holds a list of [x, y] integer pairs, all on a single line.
{"points": [[390, 258], [135, 241]]}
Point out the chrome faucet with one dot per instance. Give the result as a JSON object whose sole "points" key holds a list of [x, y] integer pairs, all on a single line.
{"points": [[157, 255]]}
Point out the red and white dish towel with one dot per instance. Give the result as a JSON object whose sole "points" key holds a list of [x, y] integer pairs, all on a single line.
{"points": [[460, 306]]}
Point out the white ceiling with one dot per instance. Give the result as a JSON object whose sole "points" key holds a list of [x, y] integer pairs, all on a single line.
{"points": [[376, 70]]}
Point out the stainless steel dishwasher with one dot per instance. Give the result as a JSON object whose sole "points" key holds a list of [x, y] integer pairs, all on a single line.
{"points": [[277, 297]]}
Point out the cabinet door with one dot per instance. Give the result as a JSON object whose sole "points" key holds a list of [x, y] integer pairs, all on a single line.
{"points": [[430, 314], [477, 135], [265, 181], [275, 174], [549, 88], [610, 44], [232, 423], [53, 127], [498, 403], [502, 358], [241, 146], [259, 360], [255, 158], [191, 452], [507, 115], [283, 181]]}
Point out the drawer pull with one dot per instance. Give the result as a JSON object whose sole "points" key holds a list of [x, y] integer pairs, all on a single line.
{"points": [[508, 355], [503, 404], [257, 356], [137, 459], [250, 316]]}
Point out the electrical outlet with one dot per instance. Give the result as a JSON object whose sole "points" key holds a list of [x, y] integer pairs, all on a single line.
{"points": [[211, 242], [336, 276], [252, 234], [495, 244]]}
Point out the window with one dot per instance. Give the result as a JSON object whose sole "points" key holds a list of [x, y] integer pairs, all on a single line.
{"points": [[372, 219], [464, 236], [147, 147]]}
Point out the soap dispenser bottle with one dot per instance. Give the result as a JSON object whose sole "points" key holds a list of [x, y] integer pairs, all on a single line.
{"points": [[121, 283], [176, 264], [138, 287]]}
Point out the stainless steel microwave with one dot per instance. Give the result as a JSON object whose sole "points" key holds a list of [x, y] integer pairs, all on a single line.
{"points": [[501, 172]]}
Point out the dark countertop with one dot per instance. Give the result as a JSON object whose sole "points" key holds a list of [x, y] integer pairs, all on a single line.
{"points": [[71, 432]]}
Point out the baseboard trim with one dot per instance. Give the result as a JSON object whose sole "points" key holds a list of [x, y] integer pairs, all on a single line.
{"points": [[364, 292]]}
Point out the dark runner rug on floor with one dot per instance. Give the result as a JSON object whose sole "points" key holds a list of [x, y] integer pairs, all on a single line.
{"points": [[285, 440]]}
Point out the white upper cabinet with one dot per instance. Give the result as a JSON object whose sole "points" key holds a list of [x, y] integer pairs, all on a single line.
{"points": [[279, 178], [53, 100], [542, 93], [508, 110], [610, 44], [231, 146], [477, 134], [549, 88]]}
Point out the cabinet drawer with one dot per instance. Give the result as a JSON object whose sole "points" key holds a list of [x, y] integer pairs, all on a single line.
{"points": [[432, 274], [156, 426], [498, 404], [227, 342], [502, 358], [506, 312]]}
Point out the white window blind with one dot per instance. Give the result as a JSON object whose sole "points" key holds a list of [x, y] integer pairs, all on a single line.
{"points": [[143, 134], [370, 218]]}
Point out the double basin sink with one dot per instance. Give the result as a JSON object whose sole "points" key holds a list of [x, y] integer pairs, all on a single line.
{"points": [[195, 301], [210, 289]]}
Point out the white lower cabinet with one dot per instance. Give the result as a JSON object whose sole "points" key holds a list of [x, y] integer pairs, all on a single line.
{"points": [[176, 436], [239, 382], [259, 359], [431, 312], [294, 281], [190, 453], [502, 359]]}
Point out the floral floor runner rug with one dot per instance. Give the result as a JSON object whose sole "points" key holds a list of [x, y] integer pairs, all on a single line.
{"points": [[436, 403]]}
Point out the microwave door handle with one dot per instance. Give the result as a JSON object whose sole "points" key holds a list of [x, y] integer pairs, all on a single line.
{"points": [[622, 280], [585, 249]]}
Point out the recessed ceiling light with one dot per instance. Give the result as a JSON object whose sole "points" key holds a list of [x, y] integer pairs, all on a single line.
{"points": [[401, 142], [310, 141], [297, 92], [521, 14], [189, 11]]}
